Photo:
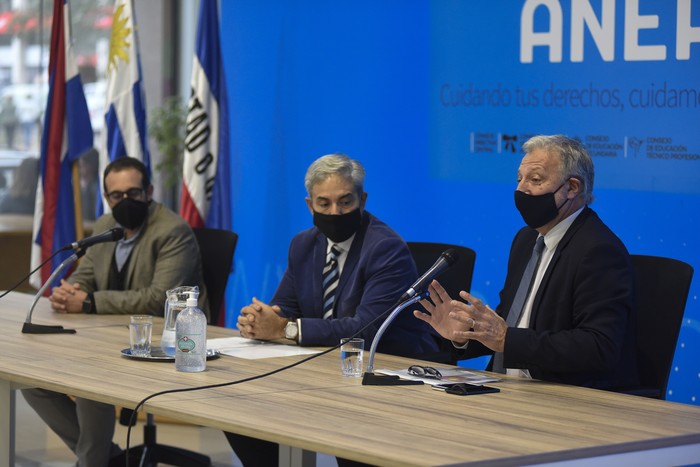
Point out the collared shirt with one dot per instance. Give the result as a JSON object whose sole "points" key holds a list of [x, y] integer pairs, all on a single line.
{"points": [[551, 242], [124, 248], [344, 248]]}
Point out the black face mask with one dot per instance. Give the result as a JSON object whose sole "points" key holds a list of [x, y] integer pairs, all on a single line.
{"points": [[338, 228], [537, 210], [130, 213]]}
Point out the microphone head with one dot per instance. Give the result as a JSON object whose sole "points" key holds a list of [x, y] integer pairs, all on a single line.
{"points": [[118, 233], [450, 256]]}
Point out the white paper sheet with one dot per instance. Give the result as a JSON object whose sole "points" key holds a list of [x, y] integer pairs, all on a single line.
{"points": [[449, 375], [253, 349]]}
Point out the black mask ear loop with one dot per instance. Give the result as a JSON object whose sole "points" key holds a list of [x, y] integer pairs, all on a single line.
{"points": [[565, 182]]}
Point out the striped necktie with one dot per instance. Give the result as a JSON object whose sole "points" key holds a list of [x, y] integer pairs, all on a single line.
{"points": [[524, 289], [330, 281]]}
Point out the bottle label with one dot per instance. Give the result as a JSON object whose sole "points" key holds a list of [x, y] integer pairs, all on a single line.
{"points": [[187, 345]]}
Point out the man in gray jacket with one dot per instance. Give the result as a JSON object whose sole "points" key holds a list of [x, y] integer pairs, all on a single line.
{"points": [[159, 252]]}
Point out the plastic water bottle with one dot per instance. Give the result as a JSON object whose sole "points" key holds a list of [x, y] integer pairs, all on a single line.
{"points": [[191, 336], [175, 302]]}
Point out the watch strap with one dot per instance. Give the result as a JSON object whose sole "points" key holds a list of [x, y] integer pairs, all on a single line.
{"points": [[89, 304]]}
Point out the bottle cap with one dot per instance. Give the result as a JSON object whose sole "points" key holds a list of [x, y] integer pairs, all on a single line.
{"points": [[191, 299]]}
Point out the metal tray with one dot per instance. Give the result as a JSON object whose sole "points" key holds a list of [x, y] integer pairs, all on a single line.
{"points": [[157, 355]]}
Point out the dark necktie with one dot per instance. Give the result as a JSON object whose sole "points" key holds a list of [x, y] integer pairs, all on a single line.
{"points": [[330, 281], [516, 309]]}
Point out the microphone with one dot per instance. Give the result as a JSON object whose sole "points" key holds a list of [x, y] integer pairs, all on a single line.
{"points": [[79, 248], [446, 259], [417, 292], [111, 235], [31, 328]]}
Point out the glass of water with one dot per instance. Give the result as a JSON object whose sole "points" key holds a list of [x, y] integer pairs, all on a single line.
{"points": [[140, 331], [351, 352]]}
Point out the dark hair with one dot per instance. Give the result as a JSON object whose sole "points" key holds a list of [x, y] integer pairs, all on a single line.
{"points": [[124, 163]]}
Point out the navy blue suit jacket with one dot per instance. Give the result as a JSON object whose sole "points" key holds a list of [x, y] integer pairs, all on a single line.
{"points": [[377, 270], [583, 316]]}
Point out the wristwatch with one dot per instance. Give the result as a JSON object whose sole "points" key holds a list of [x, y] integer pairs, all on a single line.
{"points": [[291, 331], [89, 304]]}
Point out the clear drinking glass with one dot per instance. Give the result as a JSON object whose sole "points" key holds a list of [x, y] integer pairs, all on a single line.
{"points": [[351, 353], [140, 332]]}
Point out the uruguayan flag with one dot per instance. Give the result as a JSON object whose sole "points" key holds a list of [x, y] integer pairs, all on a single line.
{"points": [[125, 121]]}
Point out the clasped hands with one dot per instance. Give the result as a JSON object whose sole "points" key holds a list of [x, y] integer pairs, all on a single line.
{"points": [[67, 298], [459, 321], [261, 321]]}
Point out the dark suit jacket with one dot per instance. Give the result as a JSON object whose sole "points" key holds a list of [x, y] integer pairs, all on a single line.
{"points": [[583, 316], [378, 269]]}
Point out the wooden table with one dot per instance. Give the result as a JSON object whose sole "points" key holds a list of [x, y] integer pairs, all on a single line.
{"points": [[312, 408], [15, 249]]}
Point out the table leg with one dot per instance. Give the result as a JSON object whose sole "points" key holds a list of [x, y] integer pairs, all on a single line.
{"points": [[7, 424], [295, 457]]}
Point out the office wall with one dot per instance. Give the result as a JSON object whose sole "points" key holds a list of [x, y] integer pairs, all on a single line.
{"points": [[435, 98]]}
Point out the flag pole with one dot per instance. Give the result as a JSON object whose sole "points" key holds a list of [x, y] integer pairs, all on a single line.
{"points": [[77, 200]]}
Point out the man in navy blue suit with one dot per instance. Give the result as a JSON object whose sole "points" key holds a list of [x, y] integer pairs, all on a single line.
{"points": [[573, 322], [375, 268], [317, 304]]}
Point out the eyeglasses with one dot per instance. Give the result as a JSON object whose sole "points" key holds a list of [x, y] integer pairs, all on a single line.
{"points": [[424, 371], [133, 193]]}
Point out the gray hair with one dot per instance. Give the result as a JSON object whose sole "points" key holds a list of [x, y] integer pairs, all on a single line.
{"points": [[575, 160], [336, 164]]}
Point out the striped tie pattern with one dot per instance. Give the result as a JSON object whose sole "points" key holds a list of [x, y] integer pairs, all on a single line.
{"points": [[330, 281]]}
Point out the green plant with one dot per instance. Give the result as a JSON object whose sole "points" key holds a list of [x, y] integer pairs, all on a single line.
{"points": [[166, 127]]}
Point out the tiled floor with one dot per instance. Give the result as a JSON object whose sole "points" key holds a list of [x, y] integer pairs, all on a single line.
{"points": [[37, 446]]}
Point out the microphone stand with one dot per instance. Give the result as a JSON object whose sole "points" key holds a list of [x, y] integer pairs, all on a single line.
{"points": [[369, 378], [31, 328]]}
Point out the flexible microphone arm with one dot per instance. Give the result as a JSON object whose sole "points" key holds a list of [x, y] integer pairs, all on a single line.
{"points": [[369, 378], [29, 327]]}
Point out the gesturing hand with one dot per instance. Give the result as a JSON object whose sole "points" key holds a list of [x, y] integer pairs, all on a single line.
{"points": [[440, 307], [479, 322]]}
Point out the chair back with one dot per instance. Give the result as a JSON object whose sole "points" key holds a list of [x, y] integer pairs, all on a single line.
{"points": [[457, 277], [216, 247], [662, 286]]}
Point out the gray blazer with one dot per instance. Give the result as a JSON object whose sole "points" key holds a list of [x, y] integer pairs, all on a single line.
{"points": [[165, 256]]}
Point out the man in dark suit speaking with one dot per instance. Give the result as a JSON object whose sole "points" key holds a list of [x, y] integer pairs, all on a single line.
{"points": [[567, 311], [341, 274]]}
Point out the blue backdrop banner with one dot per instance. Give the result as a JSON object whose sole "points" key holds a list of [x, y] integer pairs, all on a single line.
{"points": [[436, 99]]}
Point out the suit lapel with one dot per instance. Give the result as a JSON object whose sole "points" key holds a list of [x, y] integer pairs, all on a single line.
{"points": [[132, 269], [105, 267], [353, 257], [319, 261], [563, 243]]}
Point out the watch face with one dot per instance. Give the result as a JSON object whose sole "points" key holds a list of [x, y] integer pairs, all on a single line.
{"points": [[291, 330]]}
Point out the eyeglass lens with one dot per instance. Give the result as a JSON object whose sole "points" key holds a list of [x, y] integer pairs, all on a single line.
{"points": [[130, 193], [427, 371]]}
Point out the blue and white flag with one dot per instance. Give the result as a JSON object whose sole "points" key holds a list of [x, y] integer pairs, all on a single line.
{"points": [[125, 131], [206, 177]]}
